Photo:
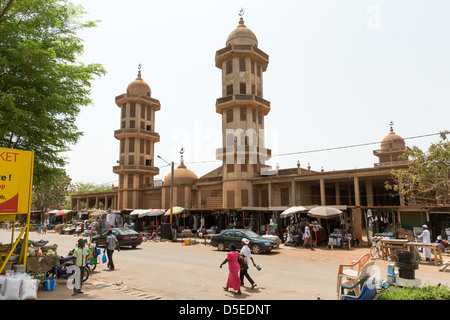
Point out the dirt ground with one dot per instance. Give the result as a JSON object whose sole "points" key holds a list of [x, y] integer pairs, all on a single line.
{"points": [[172, 271]]}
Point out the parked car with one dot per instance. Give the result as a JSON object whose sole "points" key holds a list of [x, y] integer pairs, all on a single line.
{"points": [[125, 236], [257, 243]]}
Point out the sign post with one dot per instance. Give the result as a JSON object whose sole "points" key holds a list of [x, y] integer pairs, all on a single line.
{"points": [[16, 182]]}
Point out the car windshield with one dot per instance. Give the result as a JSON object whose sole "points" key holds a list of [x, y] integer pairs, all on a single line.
{"points": [[250, 234], [127, 231], [121, 231]]}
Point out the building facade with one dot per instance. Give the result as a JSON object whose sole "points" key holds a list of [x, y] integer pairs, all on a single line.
{"points": [[242, 190]]}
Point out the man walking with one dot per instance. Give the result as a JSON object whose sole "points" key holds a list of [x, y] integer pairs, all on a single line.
{"points": [[79, 255], [425, 236], [111, 244], [246, 253]]}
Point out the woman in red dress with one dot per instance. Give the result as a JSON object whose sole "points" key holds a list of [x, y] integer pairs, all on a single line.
{"points": [[234, 282]]}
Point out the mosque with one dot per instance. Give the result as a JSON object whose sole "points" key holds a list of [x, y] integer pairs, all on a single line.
{"points": [[242, 190]]}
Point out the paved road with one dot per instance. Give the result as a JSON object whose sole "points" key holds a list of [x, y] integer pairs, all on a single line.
{"points": [[173, 271]]}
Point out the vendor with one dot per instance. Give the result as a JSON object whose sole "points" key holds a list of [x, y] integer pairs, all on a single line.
{"points": [[79, 255], [425, 236]]}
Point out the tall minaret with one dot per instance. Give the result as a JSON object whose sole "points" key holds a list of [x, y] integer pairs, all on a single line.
{"points": [[137, 137], [243, 110]]}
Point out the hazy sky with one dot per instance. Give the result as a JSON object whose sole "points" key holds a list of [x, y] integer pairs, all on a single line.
{"points": [[339, 71]]}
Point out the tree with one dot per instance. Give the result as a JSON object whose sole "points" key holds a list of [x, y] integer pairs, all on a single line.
{"points": [[42, 87], [51, 193], [91, 187], [427, 180]]}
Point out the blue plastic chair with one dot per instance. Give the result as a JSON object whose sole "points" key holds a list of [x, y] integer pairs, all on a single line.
{"points": [[368, 293]]}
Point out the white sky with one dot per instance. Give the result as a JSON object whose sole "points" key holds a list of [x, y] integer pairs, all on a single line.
{"points": [[339, 71]]}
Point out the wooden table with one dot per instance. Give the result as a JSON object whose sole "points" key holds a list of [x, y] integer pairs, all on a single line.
{"points": [[386, 245], [435, 248]]}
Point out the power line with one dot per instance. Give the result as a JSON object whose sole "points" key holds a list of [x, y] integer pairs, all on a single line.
{"points": [[324, 149], [350, 146]]}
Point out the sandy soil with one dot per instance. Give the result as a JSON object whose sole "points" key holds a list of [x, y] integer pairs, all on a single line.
{"points": [[173, 271]]}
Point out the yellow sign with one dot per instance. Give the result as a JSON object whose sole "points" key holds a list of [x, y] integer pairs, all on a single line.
{"points": [[16, 178]]}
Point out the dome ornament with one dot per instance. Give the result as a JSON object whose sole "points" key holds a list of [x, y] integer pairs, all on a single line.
{"points": [[181, 158], [139, 71], [241, 20], [241, 12], [391, 124]]}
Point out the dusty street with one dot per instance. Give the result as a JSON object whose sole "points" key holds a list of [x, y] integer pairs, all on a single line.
{"points": [[173, 271]]}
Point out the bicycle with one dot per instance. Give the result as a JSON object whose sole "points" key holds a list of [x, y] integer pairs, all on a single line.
{"points": [[375, 251]]}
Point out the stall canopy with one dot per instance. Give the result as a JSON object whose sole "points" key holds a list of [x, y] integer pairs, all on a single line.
{"points": [[176, 210], [291, 211], [54, 211], [97, 213], [324, 212]]}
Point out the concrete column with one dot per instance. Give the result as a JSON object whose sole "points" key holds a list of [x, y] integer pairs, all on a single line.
{"points": [[270, 193], [96, 202], [357, 193], [337, 191], [292, 202], [357, 222], [369, 192], [322, 192], [106, 202], [78, 204]]}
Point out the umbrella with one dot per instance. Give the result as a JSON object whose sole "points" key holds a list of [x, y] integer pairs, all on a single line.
{"points": [[176, 210], [150, 213], [54, 211], [62, 212], [136, 212], [155, 212], [324, 212], [290, 211]]}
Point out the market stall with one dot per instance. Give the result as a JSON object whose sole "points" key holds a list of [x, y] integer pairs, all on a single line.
{"points": [[436, 248]]}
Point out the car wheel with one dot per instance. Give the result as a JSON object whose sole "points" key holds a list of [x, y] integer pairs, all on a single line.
{"points": [[134, 247], [220, 246], [256, 248]]}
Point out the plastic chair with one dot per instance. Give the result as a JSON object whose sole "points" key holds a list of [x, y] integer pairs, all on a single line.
{"points": [[350, 270], [355, 283], [369, 292]]}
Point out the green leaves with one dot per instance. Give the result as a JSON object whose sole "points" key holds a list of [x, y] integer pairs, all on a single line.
{"points": [[427, 179], [42, 87], [424, 293]]}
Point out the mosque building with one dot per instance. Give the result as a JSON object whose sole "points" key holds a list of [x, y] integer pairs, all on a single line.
{"points": [[242, 190]]}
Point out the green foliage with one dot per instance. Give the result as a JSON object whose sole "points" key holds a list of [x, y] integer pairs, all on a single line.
{"points": [[424, 293], [50, 193], [42, 87], [90, 187], [427, 179]]}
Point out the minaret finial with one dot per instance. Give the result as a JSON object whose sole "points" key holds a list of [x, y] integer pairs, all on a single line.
{"points": [[139, 71], [181, 152], [241, 13], [391, 124]]}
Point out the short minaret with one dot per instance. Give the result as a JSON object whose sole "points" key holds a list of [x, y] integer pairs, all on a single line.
{"points": [[392, 147], [137, 137], [243, 109]]}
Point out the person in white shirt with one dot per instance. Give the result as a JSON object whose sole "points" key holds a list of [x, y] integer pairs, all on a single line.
{"points": [[111, 244], [425, 236], [247, 255], [307, 237]]}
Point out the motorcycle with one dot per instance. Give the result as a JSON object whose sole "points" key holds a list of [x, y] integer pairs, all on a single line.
{"points": [[63, 270]]}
